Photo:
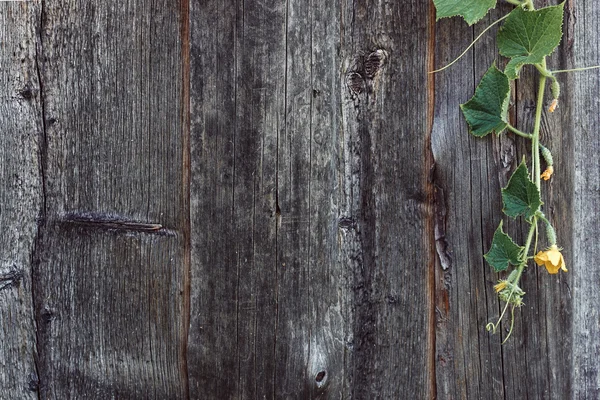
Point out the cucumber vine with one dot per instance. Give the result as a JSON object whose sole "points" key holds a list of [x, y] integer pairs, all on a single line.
{"points": [[526, 37]]}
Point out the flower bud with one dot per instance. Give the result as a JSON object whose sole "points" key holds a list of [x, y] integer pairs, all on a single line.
{"points": [[555, 89], [546, 155]]}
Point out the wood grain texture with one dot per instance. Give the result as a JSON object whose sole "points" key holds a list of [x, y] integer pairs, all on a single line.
{"points": [[303, 170], [272, 199], [386, 193], [584, 175], [20, 196], [238, 110], [466, 198], [108, 289]]}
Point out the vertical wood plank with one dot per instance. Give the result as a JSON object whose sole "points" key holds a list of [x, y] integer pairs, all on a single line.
{"points": [[311, 330], [293, 199], [20, 195], [328, 290], [458, 161], [109, 276], [386, 197], [213, 367], [584, 173], [238, 110]]}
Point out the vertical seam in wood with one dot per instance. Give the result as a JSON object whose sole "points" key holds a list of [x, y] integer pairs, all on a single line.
{"points": [[44, 145], [340, 172], [186, 190], [43, 154], [430, 220], [277, 208]]}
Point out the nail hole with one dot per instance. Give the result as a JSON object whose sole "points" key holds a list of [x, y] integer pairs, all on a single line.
{"points": [[320, 376]]}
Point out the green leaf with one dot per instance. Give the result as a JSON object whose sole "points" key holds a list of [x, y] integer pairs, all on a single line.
{"points": [[503, 251], [487, 109], [528, 36], [471, 10], [521, 196]]}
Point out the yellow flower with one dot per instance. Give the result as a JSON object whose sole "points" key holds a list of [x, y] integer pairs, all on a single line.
{"points": [[553, 105], [547, 173], [552, 259], [500, 286]]}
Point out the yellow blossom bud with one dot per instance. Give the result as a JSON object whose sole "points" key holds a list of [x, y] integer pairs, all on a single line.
{"points": [[547, 173], [500, 286]]}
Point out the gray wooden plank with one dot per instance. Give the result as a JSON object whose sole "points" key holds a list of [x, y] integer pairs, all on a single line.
{"points": [[109, 277], [584, 173], [109, 326], [20, 196], [327, 371], [311, 329], [386, 197], [294, 230], [458, 217], [237, 96]]}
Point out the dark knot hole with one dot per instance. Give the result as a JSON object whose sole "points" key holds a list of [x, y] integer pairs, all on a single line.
{"points": [[320, 376]]}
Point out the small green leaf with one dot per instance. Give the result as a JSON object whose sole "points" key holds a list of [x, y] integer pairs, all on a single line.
{"points": [[521, 196], [472, 10], [503, 251], [528, 36], [487, 109]]}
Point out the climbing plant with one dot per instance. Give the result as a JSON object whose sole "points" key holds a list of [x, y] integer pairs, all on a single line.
{"points": [[527, 36]]}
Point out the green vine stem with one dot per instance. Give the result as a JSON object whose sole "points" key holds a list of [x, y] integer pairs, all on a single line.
{"points": [[518, 132], [535, 141]]}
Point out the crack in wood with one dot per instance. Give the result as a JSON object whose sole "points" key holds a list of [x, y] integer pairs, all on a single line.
{"points": [[440, 211], [104, 222]]}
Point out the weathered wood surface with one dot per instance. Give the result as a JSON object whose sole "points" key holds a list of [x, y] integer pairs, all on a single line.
{"points": [[309, 209], [583, 179], [108, 271], [20, 196], [338, 208], [470, 363]]}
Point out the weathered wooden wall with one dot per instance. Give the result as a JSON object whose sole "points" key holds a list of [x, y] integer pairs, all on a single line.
{"points": [[470, 363], [21, 136], [223, 199]]}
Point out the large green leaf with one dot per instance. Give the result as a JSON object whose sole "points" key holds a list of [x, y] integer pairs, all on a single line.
{"points": [[528, 36], [487, 109], [521, 196], [503, 251], [471, 10]]}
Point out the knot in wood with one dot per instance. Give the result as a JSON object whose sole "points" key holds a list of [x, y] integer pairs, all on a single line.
{"points": [[355, 82], [320, 376], [26, 93], [321, 380], [374, 62], [347, 223]]}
